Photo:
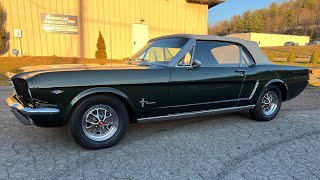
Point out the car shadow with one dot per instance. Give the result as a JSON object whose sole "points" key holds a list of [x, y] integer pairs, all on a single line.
{"points": [[146, 130], [53, 139]]}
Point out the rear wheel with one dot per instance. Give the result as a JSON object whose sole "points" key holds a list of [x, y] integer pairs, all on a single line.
{"points": [[99, 122], [268, 104]]}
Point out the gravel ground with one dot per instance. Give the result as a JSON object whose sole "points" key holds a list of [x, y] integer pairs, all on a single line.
{"points": [[224, 146]]}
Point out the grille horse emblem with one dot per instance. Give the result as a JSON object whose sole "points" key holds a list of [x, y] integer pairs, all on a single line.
{"points": [[57, 92]]}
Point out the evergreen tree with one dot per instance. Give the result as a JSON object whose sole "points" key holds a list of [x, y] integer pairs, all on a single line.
{"points": [[101, 48], [271, 57], [315, 58], [4, 40], [291, 57]]}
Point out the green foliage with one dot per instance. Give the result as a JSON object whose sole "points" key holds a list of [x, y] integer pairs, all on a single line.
{"points": [[291, 57], [101, 48], [4, 39], [315, 58], [271, 57], [296, 17]]}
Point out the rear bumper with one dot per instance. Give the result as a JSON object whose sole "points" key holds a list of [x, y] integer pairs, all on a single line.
{"points": [[23, 113]]}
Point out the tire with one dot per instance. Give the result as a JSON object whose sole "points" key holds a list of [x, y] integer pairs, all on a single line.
{"points": [[99, 121], [266, 110]]}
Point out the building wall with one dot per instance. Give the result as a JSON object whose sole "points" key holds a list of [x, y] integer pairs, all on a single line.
{"points": [[113, 17], [244, 36], [269, 40]]}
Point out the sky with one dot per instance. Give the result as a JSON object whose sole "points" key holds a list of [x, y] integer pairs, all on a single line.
{"points": [[229, 8]]}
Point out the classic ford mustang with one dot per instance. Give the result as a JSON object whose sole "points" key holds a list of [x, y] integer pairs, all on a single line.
{"points": [[174, 76]]}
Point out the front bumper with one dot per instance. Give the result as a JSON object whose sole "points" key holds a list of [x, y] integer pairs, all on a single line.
{"points": [[22, 112]]}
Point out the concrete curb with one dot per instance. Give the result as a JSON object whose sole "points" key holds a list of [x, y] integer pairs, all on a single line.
{"points": [[5, 88]]}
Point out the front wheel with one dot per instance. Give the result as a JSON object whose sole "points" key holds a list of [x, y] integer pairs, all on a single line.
{"points": [[268, 104], [98, 122]]}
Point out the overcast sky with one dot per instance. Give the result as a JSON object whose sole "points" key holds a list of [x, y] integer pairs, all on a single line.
{"points": [[226, 10]]}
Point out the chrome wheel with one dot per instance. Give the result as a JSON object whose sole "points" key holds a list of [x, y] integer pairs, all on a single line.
{"points": [[100, 122], [269, 103]]}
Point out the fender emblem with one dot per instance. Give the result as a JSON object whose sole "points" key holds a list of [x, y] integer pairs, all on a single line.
{"points": [[57, 92], [143, 102]]}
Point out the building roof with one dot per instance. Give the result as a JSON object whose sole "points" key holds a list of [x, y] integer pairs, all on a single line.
{"points": [[210, 3], [251, 46], [205, 38]]}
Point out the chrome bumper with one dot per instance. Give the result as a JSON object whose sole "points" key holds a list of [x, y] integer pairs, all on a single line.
{"points": [[22, 113]]}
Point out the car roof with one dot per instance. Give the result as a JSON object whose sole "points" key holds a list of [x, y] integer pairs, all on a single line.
{"points": [[251, 46]]}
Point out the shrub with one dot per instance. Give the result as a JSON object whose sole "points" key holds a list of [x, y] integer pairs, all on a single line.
{"points": [[314, 58], [271, 57], [291, 57], [101, 48]]}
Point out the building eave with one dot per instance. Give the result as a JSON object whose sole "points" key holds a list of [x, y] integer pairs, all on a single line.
{"points": [[210, 3]]}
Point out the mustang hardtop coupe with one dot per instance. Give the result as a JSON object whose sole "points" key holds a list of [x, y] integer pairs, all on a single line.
{"points": [[174, 76]]}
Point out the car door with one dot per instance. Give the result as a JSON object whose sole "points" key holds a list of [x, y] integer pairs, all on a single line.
{"points": [[215, 84], [150, 91]]}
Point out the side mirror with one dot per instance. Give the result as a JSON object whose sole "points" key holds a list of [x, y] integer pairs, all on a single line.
{"points": [[195, 64]]}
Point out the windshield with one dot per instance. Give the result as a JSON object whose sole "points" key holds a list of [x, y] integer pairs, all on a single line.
{"points": [[163, 50]]}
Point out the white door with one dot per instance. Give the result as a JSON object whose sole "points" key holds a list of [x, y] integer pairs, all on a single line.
{"points": [[140, 36]]}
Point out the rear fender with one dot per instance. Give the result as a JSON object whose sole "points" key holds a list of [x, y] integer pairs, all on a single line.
{"points": [[283, 87]]}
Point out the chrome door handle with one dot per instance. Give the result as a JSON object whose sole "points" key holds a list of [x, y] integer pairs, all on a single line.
{"points": [[242, 72]]}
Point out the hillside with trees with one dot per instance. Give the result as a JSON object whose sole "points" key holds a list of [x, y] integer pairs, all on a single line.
{"points": [[294, 17]]}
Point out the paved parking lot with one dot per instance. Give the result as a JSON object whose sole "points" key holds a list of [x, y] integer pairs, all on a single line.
{"points": [[224, 146]]}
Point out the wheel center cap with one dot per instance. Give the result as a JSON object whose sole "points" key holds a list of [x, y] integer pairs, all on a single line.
{"points": [[101, 123]]}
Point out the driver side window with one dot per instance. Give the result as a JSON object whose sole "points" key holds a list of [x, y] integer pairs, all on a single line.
{"points": [[186, 60]]}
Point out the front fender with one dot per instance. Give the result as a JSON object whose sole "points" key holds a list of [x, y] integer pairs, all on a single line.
{"points": [[96, 90]]}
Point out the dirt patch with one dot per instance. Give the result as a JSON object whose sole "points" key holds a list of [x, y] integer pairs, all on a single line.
{"points": [[314, 77]]}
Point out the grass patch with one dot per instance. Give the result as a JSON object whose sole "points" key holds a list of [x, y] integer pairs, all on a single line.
{"points": [[284, 51], [3, 80], [13, 64]]}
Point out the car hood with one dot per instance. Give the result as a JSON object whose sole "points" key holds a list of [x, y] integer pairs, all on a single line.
{"points": [[31, 71]]}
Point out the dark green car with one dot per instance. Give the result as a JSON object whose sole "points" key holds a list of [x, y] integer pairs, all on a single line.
{"points": [[171, 77]]}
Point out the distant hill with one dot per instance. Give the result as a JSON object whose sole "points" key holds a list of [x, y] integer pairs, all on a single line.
{"points": [[294, 17]]}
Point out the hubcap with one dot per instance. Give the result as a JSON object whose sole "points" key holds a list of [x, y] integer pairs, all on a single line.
{"points": [[269, 103], [100, 122]]}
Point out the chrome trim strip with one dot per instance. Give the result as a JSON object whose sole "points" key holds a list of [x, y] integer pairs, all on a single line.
{"points": [[254, 90], [191, 114], [39, 111], [195, 104]]}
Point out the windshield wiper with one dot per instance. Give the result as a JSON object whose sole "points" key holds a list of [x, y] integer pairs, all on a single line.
{"points": [[144, 63]]}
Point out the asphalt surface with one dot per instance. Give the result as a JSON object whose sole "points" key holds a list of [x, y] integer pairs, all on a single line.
{"points": [[223, 146]]}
